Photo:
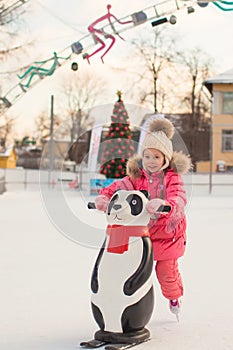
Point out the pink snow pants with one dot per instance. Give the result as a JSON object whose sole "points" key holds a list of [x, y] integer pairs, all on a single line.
{"points": [[169, 278]]}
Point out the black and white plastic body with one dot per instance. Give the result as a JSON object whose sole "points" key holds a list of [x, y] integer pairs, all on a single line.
{"points": [[123, 297]]}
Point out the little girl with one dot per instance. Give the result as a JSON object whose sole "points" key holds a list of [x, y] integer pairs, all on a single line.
{"points": [[159, 172]]}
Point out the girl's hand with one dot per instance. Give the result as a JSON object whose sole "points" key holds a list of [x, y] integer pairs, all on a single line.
{"points": [[154, 204], [101, 202]]}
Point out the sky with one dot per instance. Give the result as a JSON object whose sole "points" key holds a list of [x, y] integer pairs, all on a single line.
{"points": [[54, 26], [45, 277]]}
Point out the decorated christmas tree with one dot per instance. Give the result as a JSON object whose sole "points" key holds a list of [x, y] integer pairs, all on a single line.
{"points": [[117, 146]]}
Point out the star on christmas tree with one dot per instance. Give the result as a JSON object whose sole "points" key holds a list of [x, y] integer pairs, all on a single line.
{"points": [[117, 144]]}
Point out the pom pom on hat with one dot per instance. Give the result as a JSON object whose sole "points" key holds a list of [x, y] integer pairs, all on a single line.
{"points": [[162, 125], [159, 137]]}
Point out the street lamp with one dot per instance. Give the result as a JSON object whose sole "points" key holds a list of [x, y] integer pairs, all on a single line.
{"points": [[211, 145]]}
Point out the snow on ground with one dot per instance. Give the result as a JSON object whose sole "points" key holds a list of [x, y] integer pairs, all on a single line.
{"points": [[44, 276]]}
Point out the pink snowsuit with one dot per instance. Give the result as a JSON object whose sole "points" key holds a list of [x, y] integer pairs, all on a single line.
{"points": [[167, 232]]}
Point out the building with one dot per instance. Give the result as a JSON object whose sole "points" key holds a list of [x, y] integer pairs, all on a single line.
{"points": [[60, 153], [8, 158], [221, 90], [28, 157]]}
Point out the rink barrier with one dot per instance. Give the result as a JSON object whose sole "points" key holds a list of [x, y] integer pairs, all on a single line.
{"points": [[34, 178], [19, 178], [2, 185]]}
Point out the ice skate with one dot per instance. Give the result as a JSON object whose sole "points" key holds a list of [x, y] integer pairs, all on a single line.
{"points": [[175, 306]]}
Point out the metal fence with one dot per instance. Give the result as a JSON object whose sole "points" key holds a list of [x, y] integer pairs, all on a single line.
{"points": [[28, 179]]}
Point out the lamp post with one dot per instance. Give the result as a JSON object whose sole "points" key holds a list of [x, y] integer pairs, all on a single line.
{"points": [[51, 143], [210, 99], [211, 146], [51, 148]]}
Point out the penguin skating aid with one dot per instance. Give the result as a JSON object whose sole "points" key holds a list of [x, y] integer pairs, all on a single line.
{"points": [[122, 298]]}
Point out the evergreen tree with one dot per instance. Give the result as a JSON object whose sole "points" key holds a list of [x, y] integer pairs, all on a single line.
{"points": [[117, 146]]}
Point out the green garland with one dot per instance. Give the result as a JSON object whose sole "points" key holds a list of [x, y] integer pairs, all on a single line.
{"points": [[216, 3]]}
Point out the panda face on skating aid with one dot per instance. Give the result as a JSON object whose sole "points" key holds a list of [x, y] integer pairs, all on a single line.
{"points": [[128, 208]]}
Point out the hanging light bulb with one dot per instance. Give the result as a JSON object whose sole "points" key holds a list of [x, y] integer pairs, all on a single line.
{"points": [[74, 66], [172, 19]]}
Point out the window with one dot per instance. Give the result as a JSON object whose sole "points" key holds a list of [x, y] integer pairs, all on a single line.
{"points": [[227, 140], [230, 169], [227, 103]]}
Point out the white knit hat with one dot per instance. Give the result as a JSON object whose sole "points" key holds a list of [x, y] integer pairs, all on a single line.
{"points": [[159, 137]]}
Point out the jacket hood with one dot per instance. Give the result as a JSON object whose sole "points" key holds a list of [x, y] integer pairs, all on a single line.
{"points": [[180, 162]]}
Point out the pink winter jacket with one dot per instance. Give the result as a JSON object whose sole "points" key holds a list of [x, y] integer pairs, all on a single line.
{"points": [[167, 232]]}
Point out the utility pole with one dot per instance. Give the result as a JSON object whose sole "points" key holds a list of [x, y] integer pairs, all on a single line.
{"points": [[51, 142], [155, 88], [211, 146]]}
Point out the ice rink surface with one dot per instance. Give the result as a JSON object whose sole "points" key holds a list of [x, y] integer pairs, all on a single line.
{"points": [[45, 275]]}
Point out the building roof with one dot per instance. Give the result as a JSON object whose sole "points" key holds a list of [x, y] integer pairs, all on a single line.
{"points": [[222, 78], [7, 151]]}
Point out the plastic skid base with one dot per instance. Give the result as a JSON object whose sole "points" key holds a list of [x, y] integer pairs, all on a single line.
{"points": [[117, 341]]}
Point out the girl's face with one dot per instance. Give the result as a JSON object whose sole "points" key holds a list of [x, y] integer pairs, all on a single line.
{"points": [[153, 159]]}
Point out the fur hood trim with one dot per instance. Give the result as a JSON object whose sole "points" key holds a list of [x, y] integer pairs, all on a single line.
{"points": [[133, 169], [180, 162]]}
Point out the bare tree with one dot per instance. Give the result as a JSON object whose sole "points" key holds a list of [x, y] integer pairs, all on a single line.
{"points": [[198, 66], [155, 66], [42, 125], [79, 95], [6, 126], [10, 14], [10, 10], [174, 80]]}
